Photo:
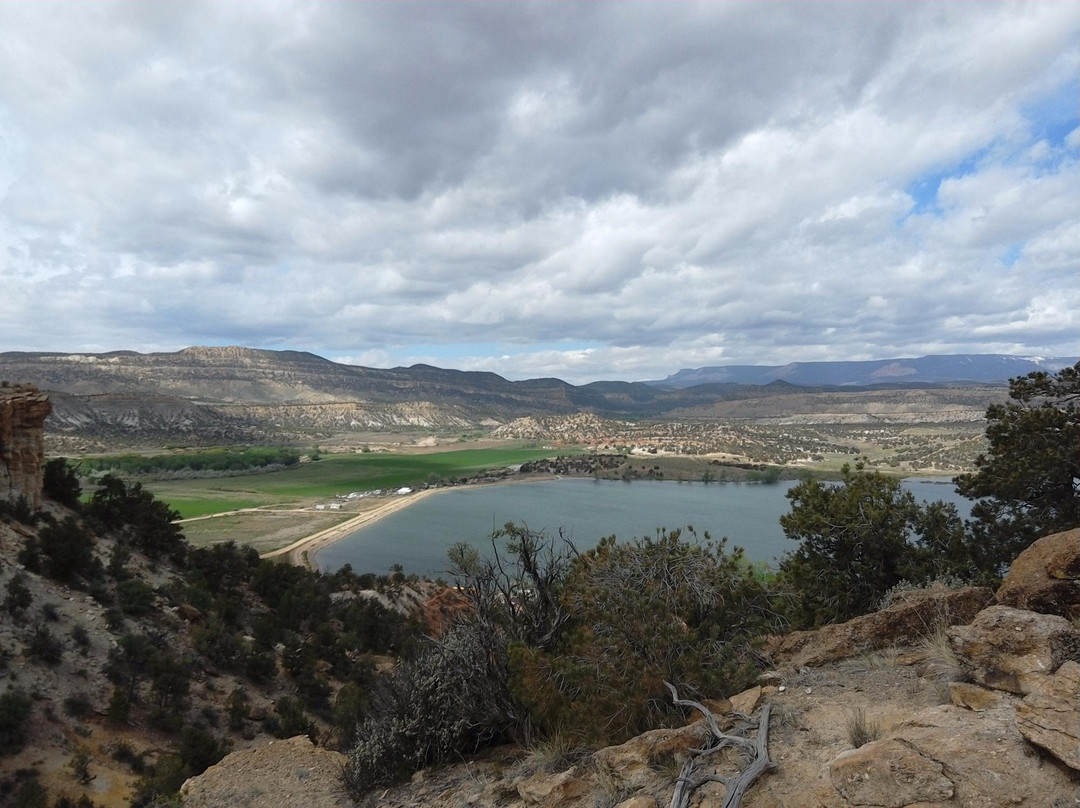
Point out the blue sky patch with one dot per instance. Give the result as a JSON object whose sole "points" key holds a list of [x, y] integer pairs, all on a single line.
{"points": [[1012, 254], [1054, 116]]}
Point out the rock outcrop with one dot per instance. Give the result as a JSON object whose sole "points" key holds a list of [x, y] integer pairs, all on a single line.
{"points": [[946, 756], [914, 615], [1011, 649], [1046, 576], [288, 774], [23, 410]]}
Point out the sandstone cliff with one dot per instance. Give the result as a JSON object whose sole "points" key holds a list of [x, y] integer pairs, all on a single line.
{"points": [[23, 410]]}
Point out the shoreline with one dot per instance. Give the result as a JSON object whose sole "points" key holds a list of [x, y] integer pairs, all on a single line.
{"points": [[301, 551]]}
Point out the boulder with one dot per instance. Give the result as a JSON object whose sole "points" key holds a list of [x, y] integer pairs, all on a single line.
{"points": [[890, 774], [973, 697], [913, 616], [1049, 716], [285, 774], [631, 762], [638, 802], [547, 789], [747, 701], [1006, 648], [1046, 576]]}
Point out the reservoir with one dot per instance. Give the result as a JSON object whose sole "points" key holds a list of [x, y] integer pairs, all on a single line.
{"points": [[585, 510]]}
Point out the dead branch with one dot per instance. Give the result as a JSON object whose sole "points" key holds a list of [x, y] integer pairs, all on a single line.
{"points": [[758, 750]]}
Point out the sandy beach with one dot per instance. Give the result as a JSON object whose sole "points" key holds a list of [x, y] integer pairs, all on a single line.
{"points": [[302, 550]]}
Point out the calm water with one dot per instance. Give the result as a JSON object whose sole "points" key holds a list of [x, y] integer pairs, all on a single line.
{"points": [[586, 510]]}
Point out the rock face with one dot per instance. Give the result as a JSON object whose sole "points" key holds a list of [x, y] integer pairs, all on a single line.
{"points": [[1050, 715], [1046, 576], [23, 410], [283, 774], [1010, 649], [915, 615]]}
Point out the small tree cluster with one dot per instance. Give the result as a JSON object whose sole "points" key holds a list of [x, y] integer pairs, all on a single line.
{"points": [[137, 516], [1028, 483], [553, 638]]}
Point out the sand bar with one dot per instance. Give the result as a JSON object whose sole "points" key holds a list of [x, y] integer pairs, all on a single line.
{"points": [[301, 551]]}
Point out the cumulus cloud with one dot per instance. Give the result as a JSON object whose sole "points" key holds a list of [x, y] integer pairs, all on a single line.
{"points": [[593, 190]]}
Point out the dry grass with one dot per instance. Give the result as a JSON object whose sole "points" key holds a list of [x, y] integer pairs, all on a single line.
{"points": [[884, 659], [551, 755], [860, 730], [941, 663], [610, 790]]}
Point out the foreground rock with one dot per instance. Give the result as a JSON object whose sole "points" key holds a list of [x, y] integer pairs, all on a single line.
{"points": [[948, 756], [913, 616], [282, 774], [1010, 649], [1050, 716], [1046, 576]]}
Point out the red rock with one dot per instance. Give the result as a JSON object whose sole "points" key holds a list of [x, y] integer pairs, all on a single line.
{"points": [[23, 410]]}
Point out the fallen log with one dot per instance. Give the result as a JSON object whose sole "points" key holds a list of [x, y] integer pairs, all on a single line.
{"points": [[757, 751]]}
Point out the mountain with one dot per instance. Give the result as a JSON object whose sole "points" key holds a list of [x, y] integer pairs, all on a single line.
{"points": [[235, 394], [978, 368]]}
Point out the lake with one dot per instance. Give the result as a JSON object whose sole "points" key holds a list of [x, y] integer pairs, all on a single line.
{"points": [[586, 510]]}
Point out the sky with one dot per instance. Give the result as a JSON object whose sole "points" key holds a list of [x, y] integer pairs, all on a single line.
{"points": [[581, 189]]}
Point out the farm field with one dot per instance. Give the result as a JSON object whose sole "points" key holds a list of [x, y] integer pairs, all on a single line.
{"points": [[332, 475], [264, 530]]}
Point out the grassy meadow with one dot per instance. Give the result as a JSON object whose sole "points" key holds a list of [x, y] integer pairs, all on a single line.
{"points": [[331, 475]]}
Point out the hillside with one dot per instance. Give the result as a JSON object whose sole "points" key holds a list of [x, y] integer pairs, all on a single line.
{"points": [[215, 395]]}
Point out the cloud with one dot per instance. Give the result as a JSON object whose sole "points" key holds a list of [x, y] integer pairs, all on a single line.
{"points": [[595, 190]]}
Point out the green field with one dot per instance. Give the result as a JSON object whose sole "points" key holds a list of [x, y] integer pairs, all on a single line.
{"points": [[332, 475]]}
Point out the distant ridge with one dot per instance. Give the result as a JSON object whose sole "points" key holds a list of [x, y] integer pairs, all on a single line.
{"points": [[943, 369], [234, 394]]}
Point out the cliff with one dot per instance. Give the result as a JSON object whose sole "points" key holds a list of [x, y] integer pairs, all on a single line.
{"points": [[23, 410]]}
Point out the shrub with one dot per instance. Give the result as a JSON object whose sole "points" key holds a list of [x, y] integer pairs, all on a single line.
{"points": [[238, 709], [291, 721], [431, 709], [44, 647], [61, 483], [78, 705], [81, 637], [15, 709], [119, 709], [645, 612], [18, 597], [135, 597], [67, 551]]}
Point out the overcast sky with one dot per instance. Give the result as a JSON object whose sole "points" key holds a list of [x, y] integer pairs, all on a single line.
{"points": [[588, 190]]}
